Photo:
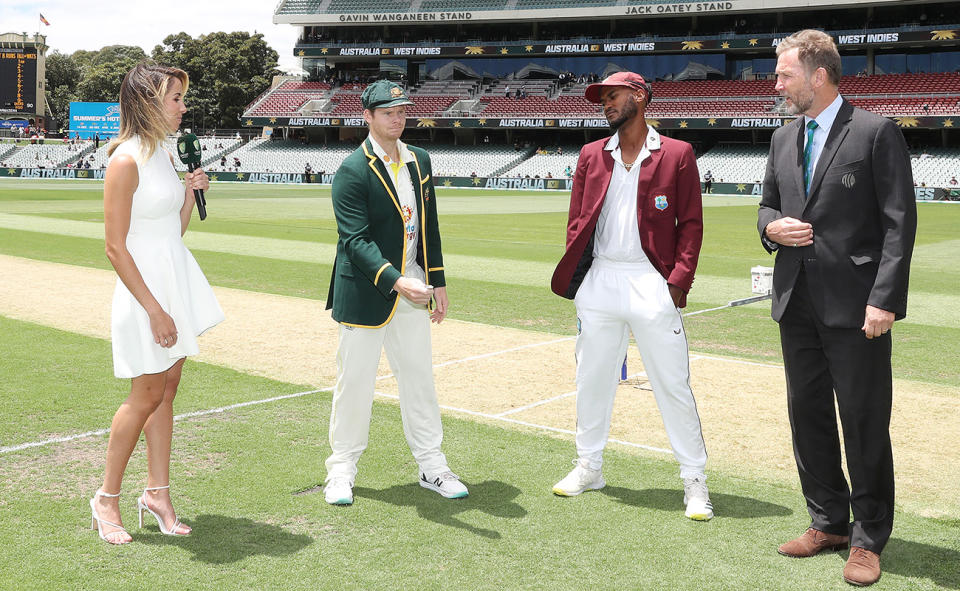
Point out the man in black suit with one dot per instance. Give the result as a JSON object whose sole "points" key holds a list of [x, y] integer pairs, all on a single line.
{"points": [[839, 209]]}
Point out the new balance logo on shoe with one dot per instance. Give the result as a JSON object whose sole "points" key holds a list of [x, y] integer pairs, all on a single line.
{"points": [[447, 484]]}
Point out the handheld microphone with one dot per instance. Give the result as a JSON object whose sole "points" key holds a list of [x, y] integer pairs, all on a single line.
{"points": [[188, 148]]}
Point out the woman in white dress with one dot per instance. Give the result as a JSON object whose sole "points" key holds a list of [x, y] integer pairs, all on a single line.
{"points": [[162, 300]]}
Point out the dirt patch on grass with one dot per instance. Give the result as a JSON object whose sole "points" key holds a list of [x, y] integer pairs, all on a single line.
{"points": [[498, 371]]}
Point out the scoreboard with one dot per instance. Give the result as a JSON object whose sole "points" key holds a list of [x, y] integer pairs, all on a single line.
{"points": [[18, 80]]}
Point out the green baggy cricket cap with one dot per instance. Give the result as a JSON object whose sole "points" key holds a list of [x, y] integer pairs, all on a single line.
{"points": [[383, 94]]}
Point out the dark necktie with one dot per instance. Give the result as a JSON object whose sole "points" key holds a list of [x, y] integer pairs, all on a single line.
{"points": [[808, 156]]}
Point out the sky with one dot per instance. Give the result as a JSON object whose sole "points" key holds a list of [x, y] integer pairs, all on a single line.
{"points": [[92, 24]]}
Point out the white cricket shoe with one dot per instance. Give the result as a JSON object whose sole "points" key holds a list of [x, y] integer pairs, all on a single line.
{"points": [[697, 499], [580, 479], [446, 483], [338, 491]]}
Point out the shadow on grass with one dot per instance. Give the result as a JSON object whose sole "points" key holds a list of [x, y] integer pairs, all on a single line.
{"points": [[668, 499], [922, 561], [492, 497], [217, 539]]}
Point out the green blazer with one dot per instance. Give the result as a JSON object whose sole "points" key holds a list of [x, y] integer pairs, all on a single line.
{"points": [[370, 250]]}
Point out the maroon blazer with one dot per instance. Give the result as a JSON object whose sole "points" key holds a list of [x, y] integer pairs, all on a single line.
{"points": [[669, 214]]}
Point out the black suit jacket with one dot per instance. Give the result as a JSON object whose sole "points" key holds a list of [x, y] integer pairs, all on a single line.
{"points": [[863, 212]]}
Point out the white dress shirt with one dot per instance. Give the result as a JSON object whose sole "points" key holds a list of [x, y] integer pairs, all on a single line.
{"points": [[824, 122], [618, 234], [408, 203]]}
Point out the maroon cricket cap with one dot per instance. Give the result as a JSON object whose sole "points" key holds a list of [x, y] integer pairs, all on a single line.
{"points": [[627, 79]]}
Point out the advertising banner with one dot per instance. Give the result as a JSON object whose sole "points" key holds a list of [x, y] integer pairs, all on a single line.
{"points": [[89, 119]]}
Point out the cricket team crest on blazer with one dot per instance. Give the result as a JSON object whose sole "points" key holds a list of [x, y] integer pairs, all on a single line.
{"points": [[660, 202], [849, 180]]}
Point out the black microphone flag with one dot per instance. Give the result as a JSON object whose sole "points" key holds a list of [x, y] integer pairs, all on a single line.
{"points": [[188, 148]]}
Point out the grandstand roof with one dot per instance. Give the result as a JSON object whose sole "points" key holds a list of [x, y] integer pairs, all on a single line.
{"points": [[379, 12]]}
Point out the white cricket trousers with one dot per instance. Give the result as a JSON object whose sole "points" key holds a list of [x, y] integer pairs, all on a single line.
{"points": [[616, 298], [406, 339]]}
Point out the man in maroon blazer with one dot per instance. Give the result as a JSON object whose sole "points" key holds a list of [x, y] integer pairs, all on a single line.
{"points": [[633, 240]]}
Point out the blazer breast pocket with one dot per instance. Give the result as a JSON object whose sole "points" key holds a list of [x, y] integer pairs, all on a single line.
{"points": [[660, 199], [846, 173], [845, 167]]}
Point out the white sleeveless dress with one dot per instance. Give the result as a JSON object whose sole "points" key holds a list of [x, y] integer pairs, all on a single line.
{"points": [[169, 270]]}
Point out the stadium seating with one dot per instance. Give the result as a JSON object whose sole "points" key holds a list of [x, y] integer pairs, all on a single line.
{"points": [[264, 155], [551, 165], [455, 5], [287, 98], [484, 160], [537, 105], [50, 154], [212, 147], [889, 95], [736, 163], [915, 106], [458, 88], [343, 6], [934, 167], [713, 88], [299, 6], [211, 153], [948, 83], [348, 104]]}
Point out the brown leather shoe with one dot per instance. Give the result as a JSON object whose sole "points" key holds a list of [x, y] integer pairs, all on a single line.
{"points": [[812, 542], [862, 568]]}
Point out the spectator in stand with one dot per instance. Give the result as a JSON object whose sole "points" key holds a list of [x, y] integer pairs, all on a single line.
{"points": [[568, 172], [307, 171], [96, 141], [223, 161], [559, 150], [953, 181], [517, 94]]}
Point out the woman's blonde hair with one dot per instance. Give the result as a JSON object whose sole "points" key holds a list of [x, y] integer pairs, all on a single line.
{"points": [[141, 106]]}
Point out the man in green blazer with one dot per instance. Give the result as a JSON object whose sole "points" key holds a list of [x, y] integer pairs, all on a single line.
{"points": [[388, 270]]}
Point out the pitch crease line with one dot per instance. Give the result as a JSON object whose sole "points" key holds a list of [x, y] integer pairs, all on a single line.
{"points": [[196, 413], [199, 413], [484, 415], [552, 399], [95, 433]]}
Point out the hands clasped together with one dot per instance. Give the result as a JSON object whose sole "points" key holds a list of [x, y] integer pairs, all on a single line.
{"points": [[420, 294]]}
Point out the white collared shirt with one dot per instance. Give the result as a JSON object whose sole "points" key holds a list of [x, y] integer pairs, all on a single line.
{"points": [[406, 196], [824, 122], [618, 235]]}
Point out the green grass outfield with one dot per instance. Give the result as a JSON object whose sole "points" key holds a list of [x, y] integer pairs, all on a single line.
{"points": [[500, 249], [246, 478]]}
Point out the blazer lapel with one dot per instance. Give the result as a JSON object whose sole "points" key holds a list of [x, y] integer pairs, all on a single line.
{"points": [[376, 165], [838, 131], [605, 174], [416, 178]]}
